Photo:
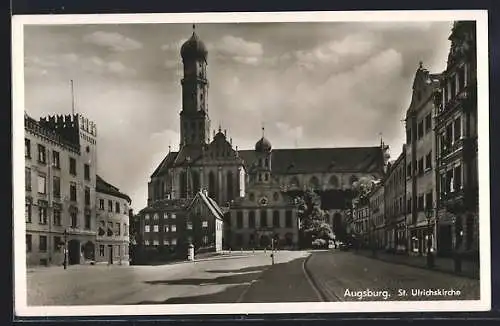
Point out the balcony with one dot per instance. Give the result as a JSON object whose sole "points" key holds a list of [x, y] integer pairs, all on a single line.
{"points": [[464, 99]]}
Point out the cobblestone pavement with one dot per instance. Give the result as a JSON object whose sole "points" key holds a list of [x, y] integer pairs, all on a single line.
{"points": [[211, 281], [342, 276]]}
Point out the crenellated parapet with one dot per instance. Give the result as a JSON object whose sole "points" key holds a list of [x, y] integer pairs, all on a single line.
{"points": [[71, 127], [88, 126], [47, 128], [64, 125]]}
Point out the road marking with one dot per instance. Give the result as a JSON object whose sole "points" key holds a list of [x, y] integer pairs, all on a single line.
{"points": [[309, 280], [242, 295]]}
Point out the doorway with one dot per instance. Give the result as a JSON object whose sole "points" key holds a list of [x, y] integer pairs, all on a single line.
{"points": [[74, 252], [444, 240], [89, 251], [264, 241]]}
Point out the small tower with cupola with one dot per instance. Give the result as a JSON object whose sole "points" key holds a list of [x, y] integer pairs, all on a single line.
{"points": [[263, 150]]}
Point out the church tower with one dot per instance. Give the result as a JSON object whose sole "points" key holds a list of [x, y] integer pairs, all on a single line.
{"points": [[195, 123], [263, 153]]}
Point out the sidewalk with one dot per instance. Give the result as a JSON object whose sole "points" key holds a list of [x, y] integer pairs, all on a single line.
{"points": [[441, 264]]}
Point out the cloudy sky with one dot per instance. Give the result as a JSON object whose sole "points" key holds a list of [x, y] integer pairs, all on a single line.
{"points": [[311, 84]]}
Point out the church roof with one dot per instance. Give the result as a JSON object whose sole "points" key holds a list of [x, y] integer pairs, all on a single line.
{"points": [[300, 160], [313, 160]]}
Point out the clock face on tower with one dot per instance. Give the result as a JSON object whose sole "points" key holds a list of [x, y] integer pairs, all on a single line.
{"points": [[263, 201]]}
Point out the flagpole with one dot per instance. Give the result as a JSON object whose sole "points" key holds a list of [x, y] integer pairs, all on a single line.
{"points": [[72, 98]]}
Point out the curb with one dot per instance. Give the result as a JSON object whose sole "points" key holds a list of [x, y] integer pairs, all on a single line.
{"points": [[443, 271], [325, 295]]}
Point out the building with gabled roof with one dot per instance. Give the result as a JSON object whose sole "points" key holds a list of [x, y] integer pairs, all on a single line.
{"points": [[112, 216]]}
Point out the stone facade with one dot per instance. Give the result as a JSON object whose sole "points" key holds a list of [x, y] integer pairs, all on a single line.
{"points": [[60, 181], [168, 227], [456, 136], [377, 217], [420, 153], [113, 224], [396, 205]]}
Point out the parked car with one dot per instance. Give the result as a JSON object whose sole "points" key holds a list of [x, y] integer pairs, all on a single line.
{"points": [[320, 244], [345, 246]]}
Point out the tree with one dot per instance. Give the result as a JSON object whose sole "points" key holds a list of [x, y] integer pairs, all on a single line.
{"points": [[313, 225], [363, 187]]}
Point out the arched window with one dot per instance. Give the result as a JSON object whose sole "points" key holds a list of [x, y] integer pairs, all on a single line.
{"points": [[334, 181], [314, 182], [294, 182], [230, 183], [337, 222], [276, 219], [183, 184], [195, 179], [266, 164], [353, 179], [251, 219], [263, 218], [211, 185]]}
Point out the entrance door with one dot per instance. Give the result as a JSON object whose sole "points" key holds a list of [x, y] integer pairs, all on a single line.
{"points": [[89, 251], [444, 240], [110, 254], [74, 252], [265, 241]]}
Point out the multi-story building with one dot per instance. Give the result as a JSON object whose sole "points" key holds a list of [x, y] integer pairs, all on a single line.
{"points": [[204, 224], [257, 182], [60, 165], [420, 146], [377, 215], [168, 227], [360, 220], [456, 136], [395, 206], [112, 216]]}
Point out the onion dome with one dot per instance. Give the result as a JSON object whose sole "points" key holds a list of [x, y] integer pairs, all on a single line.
{"points": [[194, 48], [263, 145]]}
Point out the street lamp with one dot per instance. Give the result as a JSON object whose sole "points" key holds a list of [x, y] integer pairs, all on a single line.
{"points": [[430, 256], [458, 239], [65, 234]]}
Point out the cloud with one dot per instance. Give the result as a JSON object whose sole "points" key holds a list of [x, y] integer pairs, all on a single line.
{"points": [[288, 132], [64, 62], [98, 66], [114, 41], [173, 46], [337, 52], [118, 68], [238, 49], [171, 64]]}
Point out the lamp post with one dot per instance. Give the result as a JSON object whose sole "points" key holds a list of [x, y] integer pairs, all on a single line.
{"points": [[430, 256], [456, 255], [65, 263]]}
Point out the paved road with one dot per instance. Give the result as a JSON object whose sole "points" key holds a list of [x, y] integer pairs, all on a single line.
{"points": [[336, 271], [222, 280]]}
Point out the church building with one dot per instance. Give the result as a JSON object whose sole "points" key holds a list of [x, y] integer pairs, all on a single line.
{"points": [[255, 187]]}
